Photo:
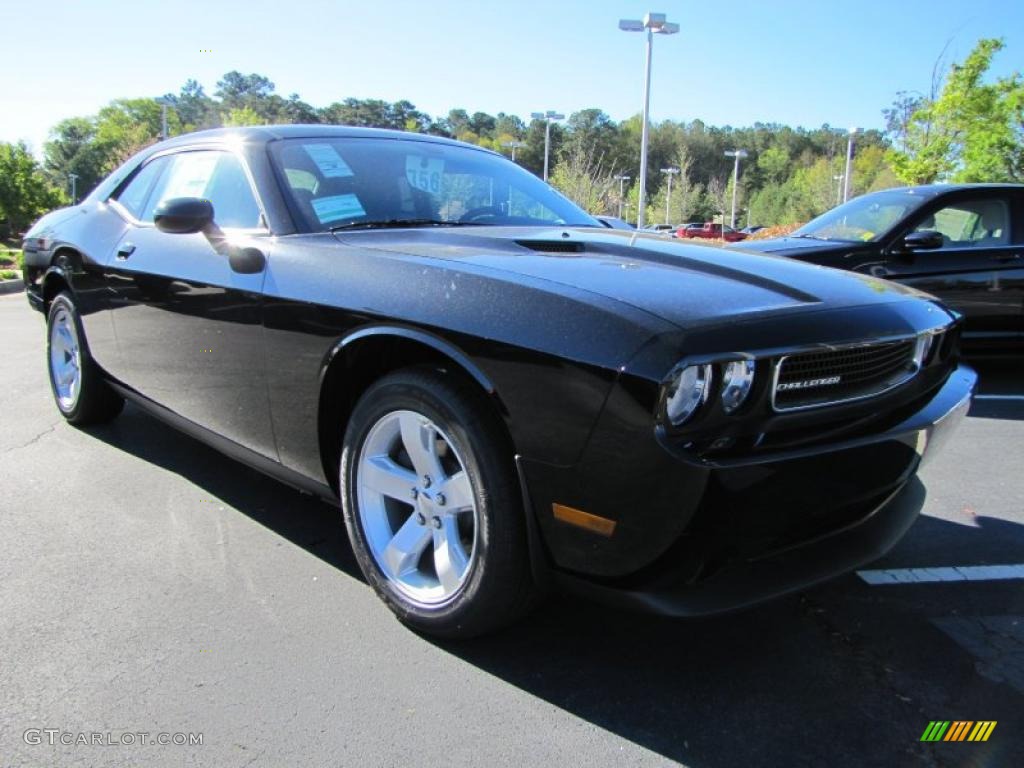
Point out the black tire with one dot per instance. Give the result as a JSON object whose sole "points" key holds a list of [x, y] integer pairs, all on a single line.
{"points": [[94, 402], [498, 587]]}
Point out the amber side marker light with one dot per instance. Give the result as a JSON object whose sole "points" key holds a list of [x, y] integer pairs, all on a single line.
{"points": [[581, 519]]}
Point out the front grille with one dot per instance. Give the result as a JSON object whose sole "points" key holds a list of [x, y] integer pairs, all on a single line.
{"points": [[811, 379]]}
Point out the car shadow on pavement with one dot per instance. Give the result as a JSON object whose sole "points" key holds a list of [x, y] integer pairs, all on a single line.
{"points": [[304, 520], [842, 674]]}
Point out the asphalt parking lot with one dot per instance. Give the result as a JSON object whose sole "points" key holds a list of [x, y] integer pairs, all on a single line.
{"points": [[148, 584]]}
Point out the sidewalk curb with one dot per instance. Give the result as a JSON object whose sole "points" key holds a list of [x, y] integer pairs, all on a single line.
{"points": [[12, 286]]}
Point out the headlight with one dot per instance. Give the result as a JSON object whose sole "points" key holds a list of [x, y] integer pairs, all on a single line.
{"points": [[737, 380], [686, 391]]}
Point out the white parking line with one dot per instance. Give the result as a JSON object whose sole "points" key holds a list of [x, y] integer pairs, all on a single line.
{"points": [[954, 573], [999, 397]]}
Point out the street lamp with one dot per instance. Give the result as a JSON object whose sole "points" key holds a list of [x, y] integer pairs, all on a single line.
{"points": [[73, 177], [548, 117], [514, 145], [164, 103], [654, 23], [622, 179], [670, 172], [738, 154], [849, 162]]}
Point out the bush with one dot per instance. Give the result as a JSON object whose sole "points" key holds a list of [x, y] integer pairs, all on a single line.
{"points": [[769, 232]]}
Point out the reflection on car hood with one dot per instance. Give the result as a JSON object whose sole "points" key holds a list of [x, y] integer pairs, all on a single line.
{"points": [[685, 284], [792, 244], [52, 219]]}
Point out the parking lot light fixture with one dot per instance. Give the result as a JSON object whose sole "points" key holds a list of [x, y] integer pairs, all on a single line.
{"points": [[548, 117], [622, 179], [670, 172], [737, 154], [653, 23], [849, 163]]}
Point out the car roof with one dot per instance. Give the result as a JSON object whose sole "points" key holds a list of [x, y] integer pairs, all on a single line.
{"points": [[266, 133]]}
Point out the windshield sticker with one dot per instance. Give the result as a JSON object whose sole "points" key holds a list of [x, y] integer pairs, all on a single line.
{"points": [[339, 207], [424, 173], [328, 161]]}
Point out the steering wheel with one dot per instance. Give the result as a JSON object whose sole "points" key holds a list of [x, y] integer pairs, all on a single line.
{"points": [[478, 213]]}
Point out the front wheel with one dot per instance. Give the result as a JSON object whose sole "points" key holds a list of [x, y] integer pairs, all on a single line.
{"points": [[79, 390], [432, 506]]}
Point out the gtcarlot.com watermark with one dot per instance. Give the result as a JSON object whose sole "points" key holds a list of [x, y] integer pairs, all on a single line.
{"points": [[56, 736]]}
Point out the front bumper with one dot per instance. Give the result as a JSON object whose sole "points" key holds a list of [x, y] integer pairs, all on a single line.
{"points": [[765, 527]]}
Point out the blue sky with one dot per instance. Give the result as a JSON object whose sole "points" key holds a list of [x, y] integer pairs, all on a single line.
{"points": [[799, 63]]}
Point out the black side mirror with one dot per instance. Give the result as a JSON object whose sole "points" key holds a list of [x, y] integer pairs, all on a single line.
{"points": [[926, 240], [183, 215]]}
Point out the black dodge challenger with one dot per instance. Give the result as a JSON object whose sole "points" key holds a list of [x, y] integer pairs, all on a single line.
{"points": [[501, 393], [963, 243]]}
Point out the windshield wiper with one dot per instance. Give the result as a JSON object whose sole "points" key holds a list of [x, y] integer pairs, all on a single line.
{"points": [[396, 223], [810, 237]]}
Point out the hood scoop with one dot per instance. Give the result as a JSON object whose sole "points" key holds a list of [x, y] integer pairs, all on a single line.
{"points": [[552, 246]]}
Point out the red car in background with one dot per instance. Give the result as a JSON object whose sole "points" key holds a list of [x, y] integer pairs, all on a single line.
{"points": [[711, 231]]}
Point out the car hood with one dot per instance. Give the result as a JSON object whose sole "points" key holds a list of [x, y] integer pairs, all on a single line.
{"points": [[50, 220], [687, 285], [794, 245]]}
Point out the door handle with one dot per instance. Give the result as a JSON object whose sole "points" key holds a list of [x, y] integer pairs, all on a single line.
{"points": [[1008, 257], [125, 251]]}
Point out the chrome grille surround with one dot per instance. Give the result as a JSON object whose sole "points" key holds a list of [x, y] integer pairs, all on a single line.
{"points": [[834, 375]]}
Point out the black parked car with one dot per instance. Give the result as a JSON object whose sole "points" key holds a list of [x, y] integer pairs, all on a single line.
{"points": [[500, 392], [963, 243]]}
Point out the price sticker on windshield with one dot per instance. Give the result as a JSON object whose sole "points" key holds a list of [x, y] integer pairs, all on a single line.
{"points": [[424, 173]]}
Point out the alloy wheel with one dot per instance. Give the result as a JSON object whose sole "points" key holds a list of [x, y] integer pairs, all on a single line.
{"points": [[416, 507]]}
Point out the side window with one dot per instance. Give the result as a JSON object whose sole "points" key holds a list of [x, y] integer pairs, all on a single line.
{"points": [[971, 224], [217, 176], [134, 195], [231, 194]]}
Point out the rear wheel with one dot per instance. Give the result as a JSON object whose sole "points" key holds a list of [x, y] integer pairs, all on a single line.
{"points": [[432, 505], [79, 390]]}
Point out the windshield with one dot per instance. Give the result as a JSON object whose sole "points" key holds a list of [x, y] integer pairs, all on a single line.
{"points": [[350, 183], [862, 219]]}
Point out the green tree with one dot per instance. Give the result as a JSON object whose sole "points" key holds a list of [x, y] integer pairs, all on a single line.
{"points": [[72, 149], [972, 131], [238, 91], [25, 191], [243, 116], [126, 126]]}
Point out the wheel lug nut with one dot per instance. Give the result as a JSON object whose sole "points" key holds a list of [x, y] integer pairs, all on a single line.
{"points": [[421, 519], [437, 522], [414, 493], [440, 499], [426, 481]]}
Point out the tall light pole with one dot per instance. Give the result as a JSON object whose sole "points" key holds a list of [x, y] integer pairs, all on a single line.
{"points": [[514, 145], [653, 23], [849, 163], [73, 177], [839, 187], [738, 154], [548, 117], [670, 172], [164, 102], [622, 179]]}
